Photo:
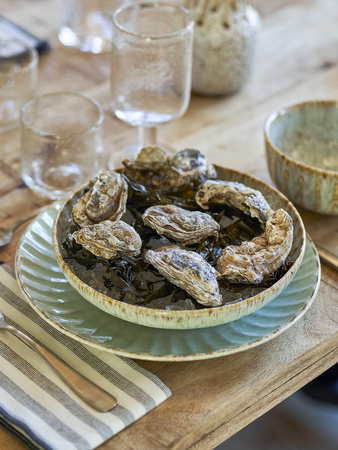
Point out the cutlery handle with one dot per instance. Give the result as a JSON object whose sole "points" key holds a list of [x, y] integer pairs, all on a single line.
{"points": [[30, 215], [328, 257], [89, 392]]}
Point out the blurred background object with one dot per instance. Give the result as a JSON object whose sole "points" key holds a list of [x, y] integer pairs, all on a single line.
{"points": [[61, 148], [301, 143], [18, 79], [87, 25], [225, 42], [151, 63]]}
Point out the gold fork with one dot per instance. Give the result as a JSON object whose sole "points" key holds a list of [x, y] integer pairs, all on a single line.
{"points": [[92, 394]]}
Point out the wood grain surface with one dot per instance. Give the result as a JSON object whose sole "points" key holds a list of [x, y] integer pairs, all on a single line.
{"points": [[297, 60]]}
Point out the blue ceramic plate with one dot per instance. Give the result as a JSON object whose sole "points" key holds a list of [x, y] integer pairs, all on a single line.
{"points": [[50, 294]]}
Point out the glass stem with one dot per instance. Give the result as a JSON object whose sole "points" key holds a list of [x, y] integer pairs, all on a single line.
{"points": [[147, 136]]}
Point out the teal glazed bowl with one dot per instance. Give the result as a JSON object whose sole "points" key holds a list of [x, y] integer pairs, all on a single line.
{"points": [[301, 144], [186, 319]]}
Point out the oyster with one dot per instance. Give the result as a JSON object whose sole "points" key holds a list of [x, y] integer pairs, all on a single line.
{"points": [[253, 260], [149, 168], [186, 227], [190, 164], [236, 195], [189, 271], [106, 200], [109, 239], [149, 158], [79, 213]]}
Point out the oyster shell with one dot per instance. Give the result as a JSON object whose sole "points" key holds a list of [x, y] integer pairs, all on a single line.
{"points": [[190, 163], [106, 200], [189, 271], [149, 168], [149, 158], [236, 195], [186, 227], [253, 260], [79, 213], [109, 239]]}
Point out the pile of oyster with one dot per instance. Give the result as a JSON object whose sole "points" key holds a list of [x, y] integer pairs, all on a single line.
{"points": [[102, 231]]}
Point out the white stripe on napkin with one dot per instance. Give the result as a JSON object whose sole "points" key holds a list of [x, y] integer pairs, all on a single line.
{"points": [[37, 406]]}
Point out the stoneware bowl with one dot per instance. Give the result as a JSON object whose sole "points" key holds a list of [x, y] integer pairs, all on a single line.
{"points": [[159, 318], [301, 143]]}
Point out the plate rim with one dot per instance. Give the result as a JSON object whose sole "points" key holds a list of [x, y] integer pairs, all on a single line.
{"points": [[165, 357]]}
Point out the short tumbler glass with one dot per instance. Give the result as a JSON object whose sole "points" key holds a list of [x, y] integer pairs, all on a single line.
{"points": [[61, 142], [18, 78]]}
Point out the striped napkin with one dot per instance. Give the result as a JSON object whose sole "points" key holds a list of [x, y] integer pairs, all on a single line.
{"points": [[36, 405]]}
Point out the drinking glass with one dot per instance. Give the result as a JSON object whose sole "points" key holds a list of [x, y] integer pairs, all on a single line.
{"points": [[61, 142], [18, 79], [151, 63], [86, 24]]}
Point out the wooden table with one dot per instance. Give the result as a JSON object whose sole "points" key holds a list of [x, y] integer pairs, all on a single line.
{"points": [[297, 60]]}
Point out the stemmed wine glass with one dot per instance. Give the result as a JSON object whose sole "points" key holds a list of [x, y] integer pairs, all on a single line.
{"points": [[151, 63]]}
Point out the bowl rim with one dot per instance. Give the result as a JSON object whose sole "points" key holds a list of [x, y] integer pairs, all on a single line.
{"points": [[284, 110], [178, 317]]}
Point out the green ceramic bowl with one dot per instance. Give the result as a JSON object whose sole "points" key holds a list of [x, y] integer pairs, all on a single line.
{"points": [[207, 317], [301, 143]]}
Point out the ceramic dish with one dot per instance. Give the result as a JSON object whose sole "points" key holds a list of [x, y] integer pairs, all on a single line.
{"points": [[51, 296], [207, 317], [301, 143]]}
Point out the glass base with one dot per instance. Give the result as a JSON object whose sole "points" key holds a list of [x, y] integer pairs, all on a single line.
{"points": [[53, 183]]}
